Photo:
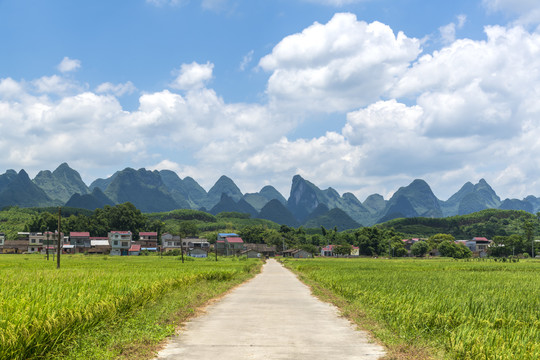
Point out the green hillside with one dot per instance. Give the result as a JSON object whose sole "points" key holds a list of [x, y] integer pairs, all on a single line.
{"points": [[333, 218], [488, 223]]}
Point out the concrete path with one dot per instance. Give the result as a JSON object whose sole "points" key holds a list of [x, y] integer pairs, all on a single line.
{"points": [[273, 316]]}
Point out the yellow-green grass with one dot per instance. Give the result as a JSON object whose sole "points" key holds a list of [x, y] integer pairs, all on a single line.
{"points": [[459, 310], [45, 312]]}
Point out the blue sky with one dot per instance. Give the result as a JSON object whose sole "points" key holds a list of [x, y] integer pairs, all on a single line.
{"points": [[363, 96]]}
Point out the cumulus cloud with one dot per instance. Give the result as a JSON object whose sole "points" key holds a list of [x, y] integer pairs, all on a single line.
{"points": [[466, 111], [448, 32], [68, 65], [94, 128], [10, 88], [56, 85], [477, 87], [193, 76], [472, 113], [527, 11], [116, 89], [337, 66]]}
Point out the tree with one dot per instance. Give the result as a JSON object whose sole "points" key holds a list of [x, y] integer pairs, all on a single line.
{"points": [[435, 240], [420, 248], [397, 248], [274, 238], [447, 249], [450, 249], [344, 249], [253, 234], [528, 227], [312, 249], [188, 228]]}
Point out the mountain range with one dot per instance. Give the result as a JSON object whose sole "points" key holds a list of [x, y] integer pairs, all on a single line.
{"points": [[307, 205]]}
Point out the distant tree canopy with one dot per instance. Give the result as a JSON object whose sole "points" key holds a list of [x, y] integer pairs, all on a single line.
{"points": [[451, 249], [119, 217], [420, 248]]}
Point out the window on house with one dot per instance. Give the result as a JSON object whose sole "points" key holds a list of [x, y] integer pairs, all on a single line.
{"points": [[124, 243], [115, 243]]}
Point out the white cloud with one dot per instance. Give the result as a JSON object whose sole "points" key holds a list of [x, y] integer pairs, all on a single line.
{"points": [[467, 111], [448, 32], [116, 89], [214, 5], [56, 85], [68, 65], [10, 88], [527, 11], [246, 60], [337, 66], [193, 76], [167, 165]]}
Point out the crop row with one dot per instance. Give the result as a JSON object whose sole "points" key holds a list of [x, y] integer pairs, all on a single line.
{"points": [[42, 307], [467, 310]]}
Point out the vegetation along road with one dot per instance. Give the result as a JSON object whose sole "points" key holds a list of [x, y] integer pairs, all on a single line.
{"points": [[442, 308], [101, 307]]}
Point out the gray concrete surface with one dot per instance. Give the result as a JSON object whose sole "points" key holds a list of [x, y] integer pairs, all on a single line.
{"points": [[273, 316]]}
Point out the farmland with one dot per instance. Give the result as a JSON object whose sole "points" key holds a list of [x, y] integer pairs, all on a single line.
{"points": [[99, 307], [454, 309]]}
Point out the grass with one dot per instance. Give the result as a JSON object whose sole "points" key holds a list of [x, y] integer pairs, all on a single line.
{"points": [[98, 307], [436, 308]]}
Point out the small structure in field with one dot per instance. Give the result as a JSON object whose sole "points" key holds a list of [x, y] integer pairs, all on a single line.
{"points": [[134, 250]]}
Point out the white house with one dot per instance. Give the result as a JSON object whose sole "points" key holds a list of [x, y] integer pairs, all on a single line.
{"points": [[171, 242], [120, 242]]}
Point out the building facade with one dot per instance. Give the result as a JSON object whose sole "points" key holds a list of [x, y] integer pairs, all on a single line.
{"points": [[120, 242]]}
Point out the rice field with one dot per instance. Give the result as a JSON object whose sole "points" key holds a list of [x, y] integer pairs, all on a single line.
{"points": [[460, 310], [43, 309]]}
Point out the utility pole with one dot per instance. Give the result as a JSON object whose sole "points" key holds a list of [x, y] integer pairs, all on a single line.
{"points": [[47, 245], [59, 249], [182, 248]]}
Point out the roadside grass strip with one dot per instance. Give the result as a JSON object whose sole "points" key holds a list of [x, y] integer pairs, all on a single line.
{"points": [[458, 310], [102, 305]]}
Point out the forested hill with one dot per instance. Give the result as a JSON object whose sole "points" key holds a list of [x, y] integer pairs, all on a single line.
{"points": [[487, 223]]}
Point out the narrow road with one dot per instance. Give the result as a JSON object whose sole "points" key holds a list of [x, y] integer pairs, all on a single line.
{"points": [[273, 316]]}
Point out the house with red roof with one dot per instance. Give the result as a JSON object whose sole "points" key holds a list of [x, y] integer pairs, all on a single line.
{"points": [[134, 250], [479, 245], [147, 239], [229, 244], [329, 251], [80, 241]]}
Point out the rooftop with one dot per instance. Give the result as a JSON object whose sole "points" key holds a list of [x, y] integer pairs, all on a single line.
{"points": [[81, 234]]}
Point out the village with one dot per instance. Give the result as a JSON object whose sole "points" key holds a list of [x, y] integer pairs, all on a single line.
{"points": [[121, 243]]}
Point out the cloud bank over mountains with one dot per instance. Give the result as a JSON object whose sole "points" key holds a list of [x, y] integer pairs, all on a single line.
{"points": [[465, 111]]}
